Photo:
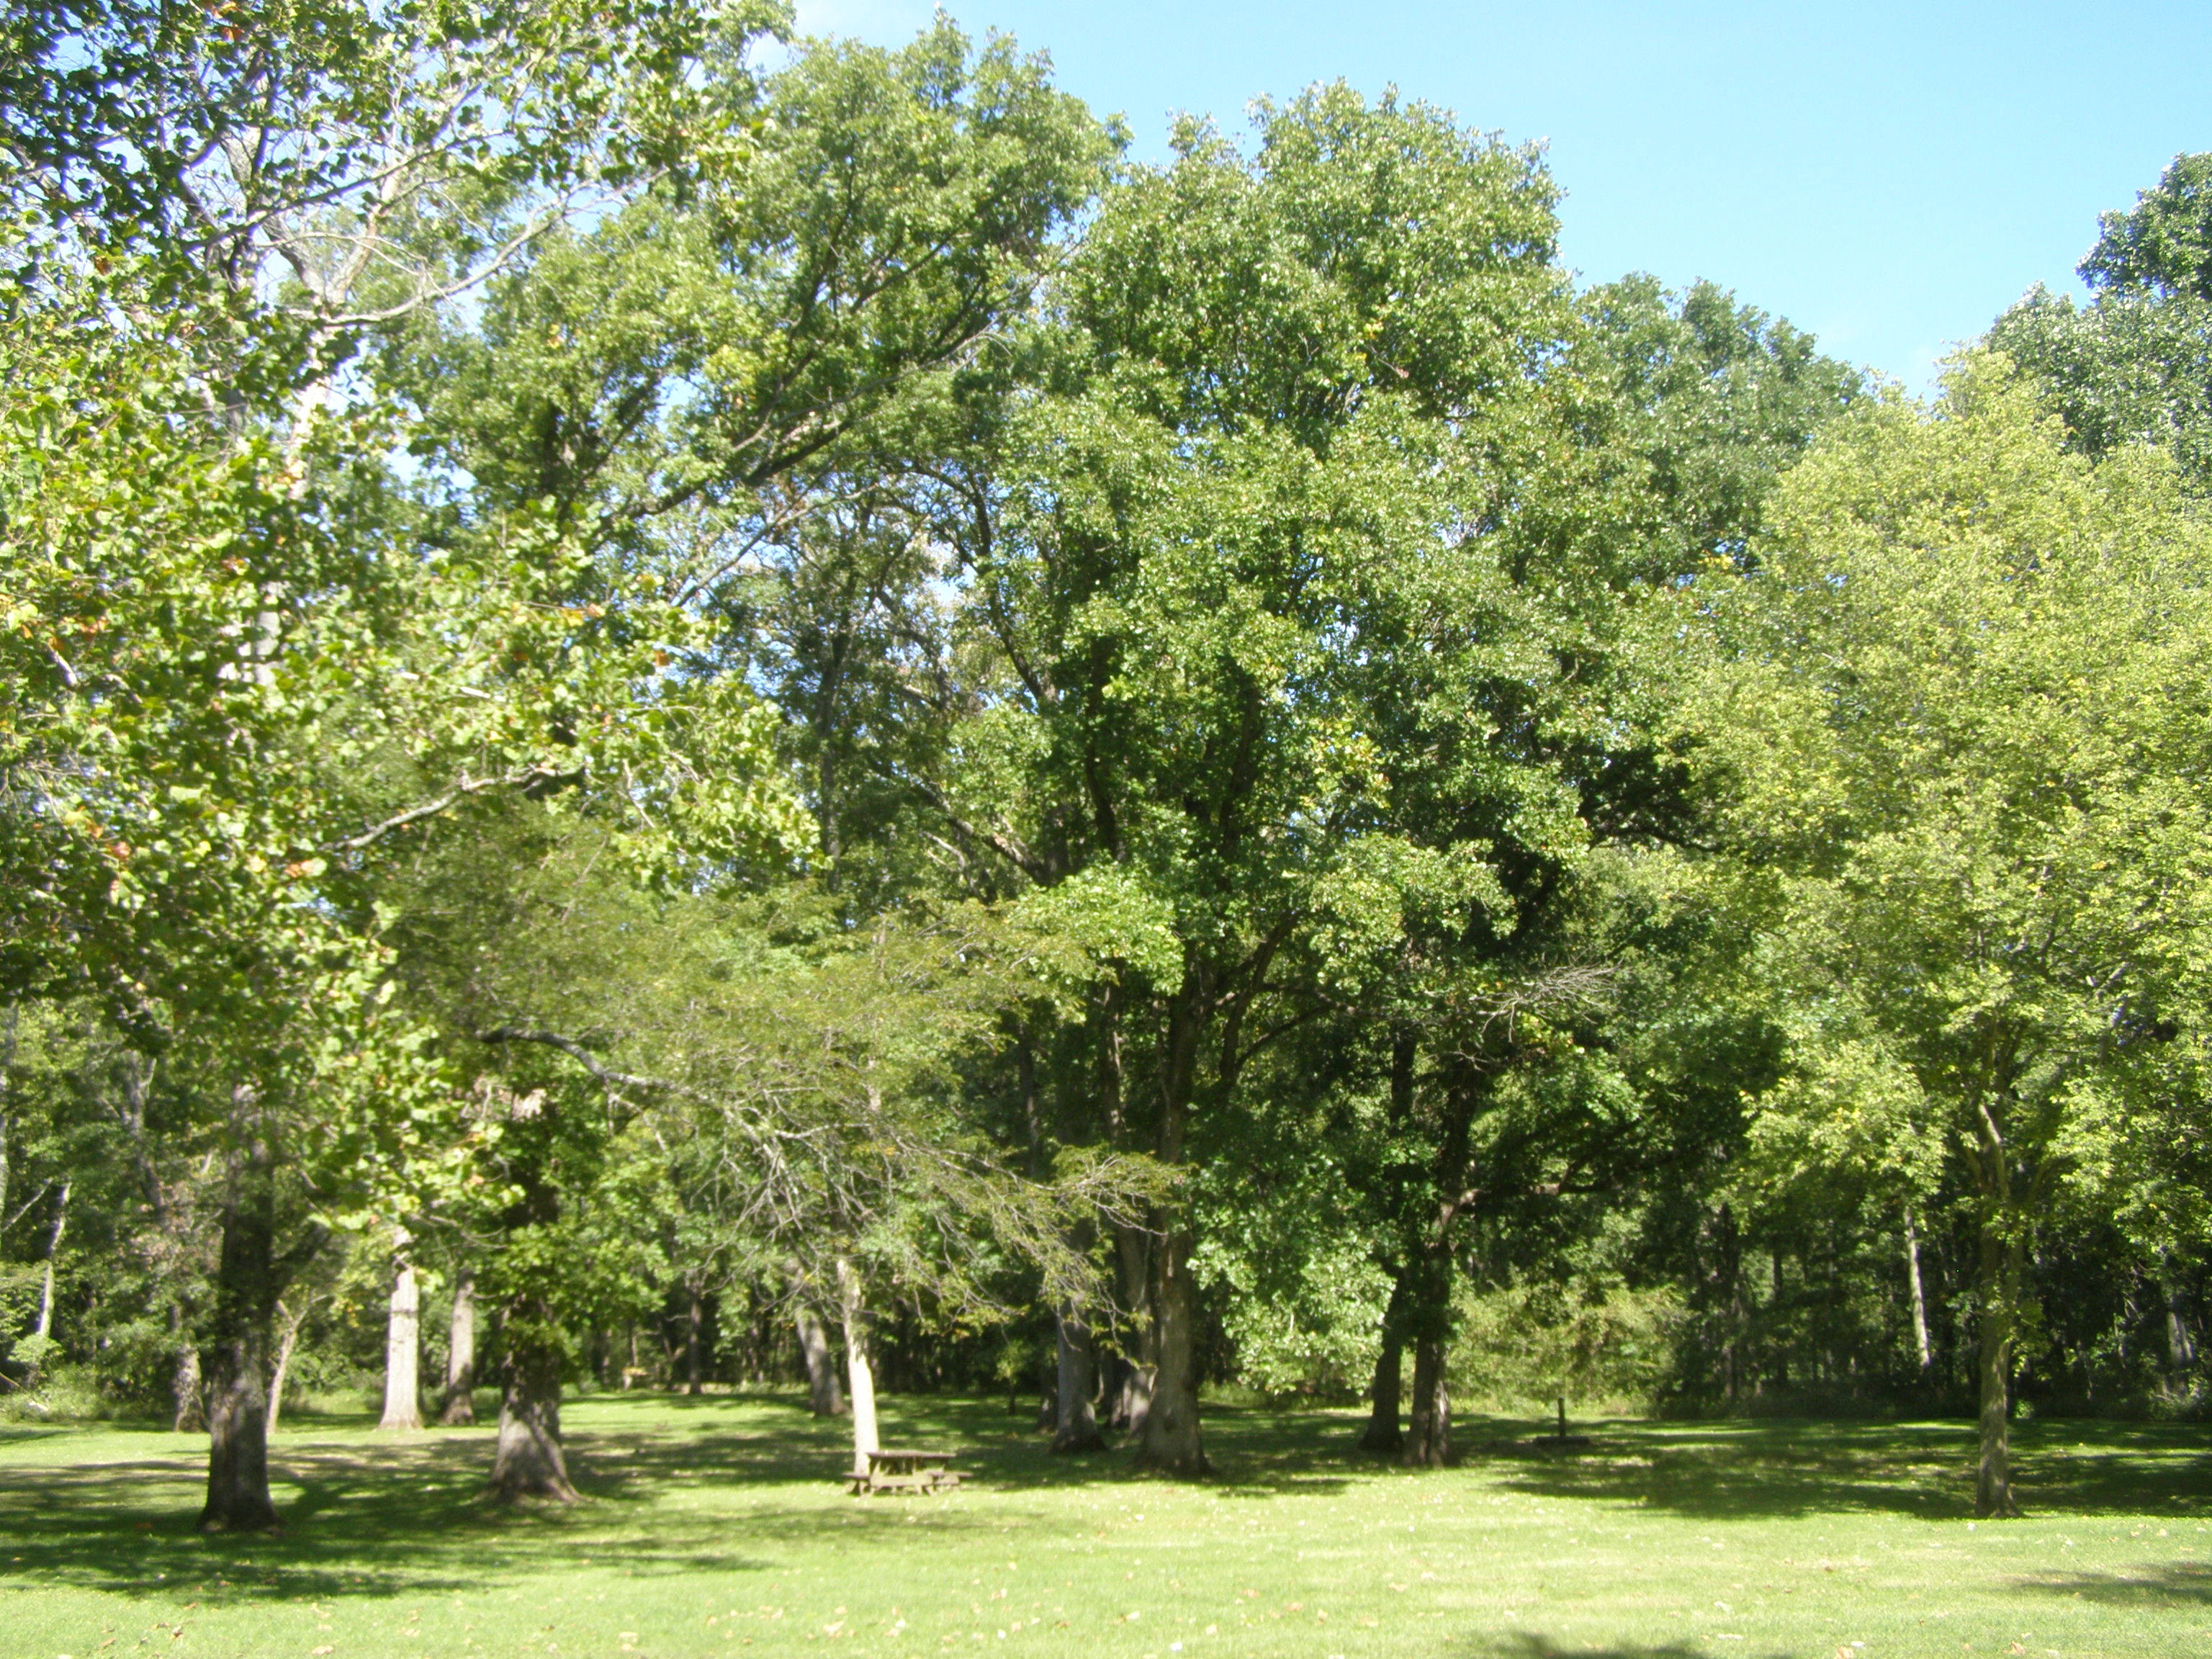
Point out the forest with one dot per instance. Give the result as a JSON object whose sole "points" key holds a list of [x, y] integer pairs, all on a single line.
{"points": [[688, 709]]}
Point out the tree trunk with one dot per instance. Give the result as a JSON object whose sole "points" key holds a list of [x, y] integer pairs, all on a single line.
{"points": [[1427, 1288], [859, 1377], [1170, 1442], [235, 1362], [285, 1343], [7, 1073], [1428, 1437], [1919, 1298], [458, 1408], [823, 1396], [46, 1327], [191, 1416], [1384, 1393], [403, 1347], [2180, 1340], [695, 1328], [528, 1463], [1076, 1425], [1137, 1363], [2000, 1286]]}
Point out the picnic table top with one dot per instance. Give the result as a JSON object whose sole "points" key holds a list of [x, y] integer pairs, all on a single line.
{"points": [[902, 1454]]}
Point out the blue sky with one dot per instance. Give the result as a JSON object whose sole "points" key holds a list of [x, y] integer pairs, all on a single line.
{"points": [[1888, 176]]}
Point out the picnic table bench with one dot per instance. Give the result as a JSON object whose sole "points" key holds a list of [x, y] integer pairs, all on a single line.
{"points": [[893, 1469]]}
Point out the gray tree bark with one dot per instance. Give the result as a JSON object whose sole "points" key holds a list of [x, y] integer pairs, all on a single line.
{"points": [[235, 1362], [859, 1374], [2000, 1264], [1428, 1435], [1919, 1296], [1075, 1428], [2180, 1340], [1137, 1362], [824, 1398], [528, 1462], [403, 1347], [45, 1326], [1170, 1442], [459, 1408], [287, 1339], [190, 1415], [695, 1330], [1385, 1393]]}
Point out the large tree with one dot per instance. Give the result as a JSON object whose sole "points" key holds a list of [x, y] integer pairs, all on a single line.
{"points": [[1286, 402], [1963, 703], [2134, 366]]}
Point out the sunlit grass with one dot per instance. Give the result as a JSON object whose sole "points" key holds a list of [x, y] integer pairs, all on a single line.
{"points": [[718, 1526]]}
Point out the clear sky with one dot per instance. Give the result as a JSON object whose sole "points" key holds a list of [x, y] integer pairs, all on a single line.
{"points": [[1888, 176]]}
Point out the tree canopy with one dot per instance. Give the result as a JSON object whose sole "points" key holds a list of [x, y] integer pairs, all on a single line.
{"points": [[743, 698]]}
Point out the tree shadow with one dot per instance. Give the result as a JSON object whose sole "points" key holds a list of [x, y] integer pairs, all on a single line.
{"points": [[677, 1485], [2163, 1585], [1779, 1468], [1534, 1644], [360, 1517]]}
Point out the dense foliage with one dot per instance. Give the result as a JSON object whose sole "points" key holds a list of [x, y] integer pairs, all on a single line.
{"points": [[737, 698]]}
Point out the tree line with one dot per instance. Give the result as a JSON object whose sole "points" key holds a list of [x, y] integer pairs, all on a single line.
{"points": [[743, 700]]}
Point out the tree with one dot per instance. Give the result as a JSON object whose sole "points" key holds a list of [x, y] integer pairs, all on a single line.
{"points": [[1957, 701], [2163, 245], [2134, 365], [1207, 533], [693, 392]]}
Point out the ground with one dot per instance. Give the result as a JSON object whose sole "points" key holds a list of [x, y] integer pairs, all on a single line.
{"points": [[717, 1526]]}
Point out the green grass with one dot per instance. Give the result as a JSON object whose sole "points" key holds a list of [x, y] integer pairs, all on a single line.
{"points": [[716, 1526]]}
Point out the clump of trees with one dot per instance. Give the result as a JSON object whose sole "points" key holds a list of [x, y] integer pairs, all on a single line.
{"points": [[684, 705]]}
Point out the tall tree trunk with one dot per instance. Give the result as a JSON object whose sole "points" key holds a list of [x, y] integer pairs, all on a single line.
{"points": [[1428, 1434], [860, 1375], [402, 1346], [1170, 1442], [1919, 1297], [458, 1408], [824, 1398], [695, 1330], [287, 1339], [7, 1084], [1076, 1425], [1137, 1361], [528, 1462], [1384, 1392], [2001, 1265], [235, 1361], [1386, 1388], [2180, 1340], [184, 1386], [45, 1326], [1428, 1284]]}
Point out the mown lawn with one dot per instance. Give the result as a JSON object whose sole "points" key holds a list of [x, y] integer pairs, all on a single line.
{"points": [[716, 1526]]}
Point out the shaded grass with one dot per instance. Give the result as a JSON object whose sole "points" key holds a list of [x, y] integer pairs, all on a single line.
{"points": [[717, 1526]]}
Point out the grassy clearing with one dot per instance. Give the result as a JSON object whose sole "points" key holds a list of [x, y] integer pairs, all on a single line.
{"points": [[715, 1526]]}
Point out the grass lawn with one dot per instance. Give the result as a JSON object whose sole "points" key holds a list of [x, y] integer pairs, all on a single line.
{"points": [[716, 1526]]}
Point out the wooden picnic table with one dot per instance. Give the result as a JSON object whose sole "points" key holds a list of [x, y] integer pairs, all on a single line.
{"points": [[892, 1468]]}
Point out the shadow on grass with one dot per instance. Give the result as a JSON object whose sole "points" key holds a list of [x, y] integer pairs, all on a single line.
{"points": [[400, 1517], [2167, 1586], [1777, 1469], [677, 1485], [1534, 1644], [674, 1485]]}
